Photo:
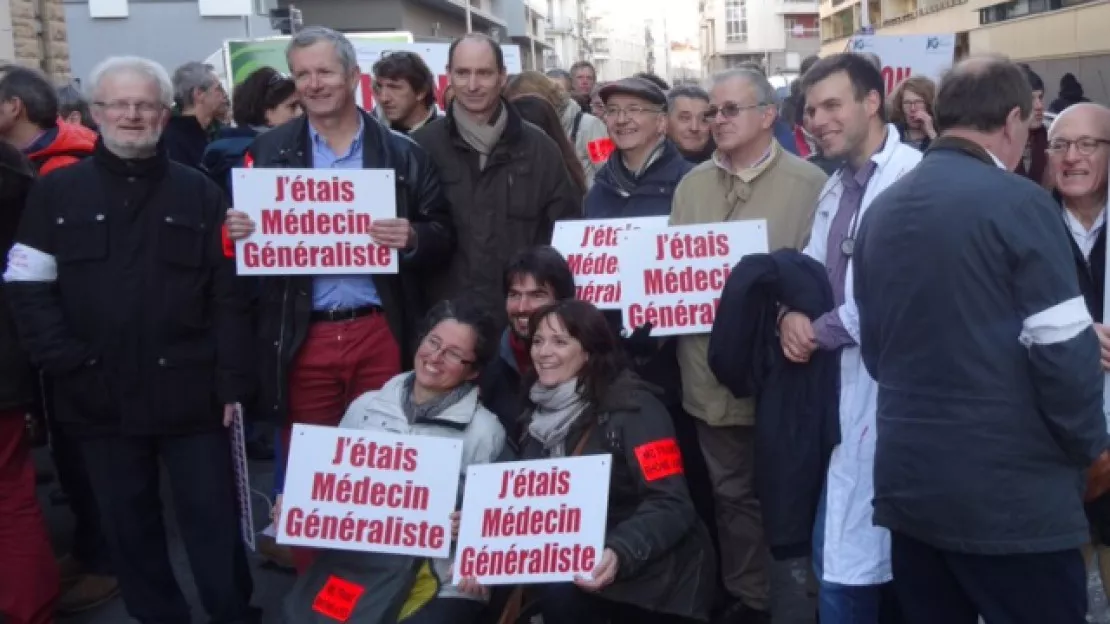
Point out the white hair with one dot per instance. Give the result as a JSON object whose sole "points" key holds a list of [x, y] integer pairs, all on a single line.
{"points": [[146, 68]]}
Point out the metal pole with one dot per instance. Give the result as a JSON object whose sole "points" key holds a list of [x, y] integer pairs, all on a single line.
{"points": [[469, 24], [865, 16]]}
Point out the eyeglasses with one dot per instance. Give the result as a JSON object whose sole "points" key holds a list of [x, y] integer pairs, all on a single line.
{"points": [[913, 104], [729, 110], [120, 107], [632, 111], [1084, 145], [433, 346]]}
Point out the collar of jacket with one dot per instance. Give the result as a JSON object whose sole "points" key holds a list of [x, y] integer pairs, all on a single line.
{"points": [[615, 176], [297, 153], [959, 144], [621, 395], [151, 167], [881, 159], [700, 156], [514, 128]]}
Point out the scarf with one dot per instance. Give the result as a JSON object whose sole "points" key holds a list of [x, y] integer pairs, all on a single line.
{"points": [[626, 179], [425, 412], [556, 410], [522, 353], [482, 138]]}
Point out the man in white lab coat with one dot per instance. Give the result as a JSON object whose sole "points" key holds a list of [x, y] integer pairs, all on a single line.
{"points": [[844, 111]]}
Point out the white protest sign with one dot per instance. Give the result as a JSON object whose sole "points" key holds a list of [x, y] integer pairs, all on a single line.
{"points": [[373, 491], [242, 478], [907, 55], [537, 521], [314, 221], [590, 247], [673, 277]]}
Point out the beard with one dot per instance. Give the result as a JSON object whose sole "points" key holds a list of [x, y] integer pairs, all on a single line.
{"points": [[132, 149]]}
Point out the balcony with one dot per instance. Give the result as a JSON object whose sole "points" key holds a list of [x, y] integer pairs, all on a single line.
{"points": [[560, 25], [797, 6]]}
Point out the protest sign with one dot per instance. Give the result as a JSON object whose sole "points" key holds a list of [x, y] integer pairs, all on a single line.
{"points": [[242, 478], [314, 222], [903, 56], [673, 277], [590, 247], [372, 491], [245, 56], [537, 521]]}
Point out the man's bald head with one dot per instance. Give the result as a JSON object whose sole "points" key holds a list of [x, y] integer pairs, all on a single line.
{"points": [[1087, 116]]}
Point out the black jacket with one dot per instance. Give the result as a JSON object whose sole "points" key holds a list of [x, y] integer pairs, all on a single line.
{"points": [[797, 422], [510, 205], [17, 377], [666, 557], [144, 328], [983, 440], [501, 392], [285, 303], [185, 140]]}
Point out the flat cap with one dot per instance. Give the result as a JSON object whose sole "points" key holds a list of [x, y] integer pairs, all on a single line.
{"points": [[637, 87]]}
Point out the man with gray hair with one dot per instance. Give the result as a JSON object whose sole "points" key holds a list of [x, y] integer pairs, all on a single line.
{"points": [[121, 292], [202, 103], [750, 176], [29, 121]]}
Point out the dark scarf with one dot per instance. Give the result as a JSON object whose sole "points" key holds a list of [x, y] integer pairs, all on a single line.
{"points": [[426, 412], [627, 180], [522, 355]]}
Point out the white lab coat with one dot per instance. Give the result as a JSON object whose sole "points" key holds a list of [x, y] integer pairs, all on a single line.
{"points": [[855, 551]]}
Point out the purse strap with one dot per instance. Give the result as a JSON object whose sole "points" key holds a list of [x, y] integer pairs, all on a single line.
{"points": [[581, 446]]}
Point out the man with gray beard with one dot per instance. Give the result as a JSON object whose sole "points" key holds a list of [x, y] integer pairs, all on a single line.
{"points": [[121, 291]]}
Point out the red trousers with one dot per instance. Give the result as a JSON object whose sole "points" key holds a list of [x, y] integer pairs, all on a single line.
{"points": [[338, 362], [28, 572]]}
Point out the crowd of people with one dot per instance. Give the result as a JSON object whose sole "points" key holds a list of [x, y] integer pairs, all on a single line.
{"points": [[897, 416]]}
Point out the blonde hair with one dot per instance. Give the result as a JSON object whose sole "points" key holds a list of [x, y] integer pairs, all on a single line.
{"points": [[534, 83], [921, 85]]}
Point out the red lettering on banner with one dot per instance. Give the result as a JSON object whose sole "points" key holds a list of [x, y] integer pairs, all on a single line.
{"points": [[442, 82], [691, 246], [688, 280], [298, 189], [363, 454], [600, 149], [677, 315], [497, 522], [341, 254], [392, 531], [590, 264], [893, 76], [598, 293], [330, 487], [309, 222], [660, 459], [530, 483], [550, 559], [337, 599]]}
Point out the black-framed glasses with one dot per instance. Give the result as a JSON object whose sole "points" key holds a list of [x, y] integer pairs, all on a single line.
{"points": [[1084, 145], [729, 110]]}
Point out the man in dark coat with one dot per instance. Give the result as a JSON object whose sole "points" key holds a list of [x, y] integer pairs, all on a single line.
{"points": [[504, 178], [121, 292], [990, 390]]}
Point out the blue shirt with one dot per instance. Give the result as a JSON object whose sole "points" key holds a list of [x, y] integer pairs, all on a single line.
{"points": [[340, 292]]}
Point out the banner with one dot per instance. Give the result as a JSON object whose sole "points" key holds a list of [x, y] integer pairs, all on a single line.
{"points": [[907, 55], [370, 491], [537, 521], [314, 221], [245, 56], [673, 277], [590, 247]]}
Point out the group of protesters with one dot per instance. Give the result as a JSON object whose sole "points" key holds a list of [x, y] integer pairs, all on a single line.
{"points": [[897, 416]]}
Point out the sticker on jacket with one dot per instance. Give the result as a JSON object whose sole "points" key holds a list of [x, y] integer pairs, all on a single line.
{"points": [[660, 459], [228, 244], [600, 150], [337, 599]]}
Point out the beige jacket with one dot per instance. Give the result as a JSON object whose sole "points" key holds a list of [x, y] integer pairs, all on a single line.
{"points": [[784, 191]]}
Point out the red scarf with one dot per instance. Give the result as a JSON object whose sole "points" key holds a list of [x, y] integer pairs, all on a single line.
{"points": [[521, 353]]}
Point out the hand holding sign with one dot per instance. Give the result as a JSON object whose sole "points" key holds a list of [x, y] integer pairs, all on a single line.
{"points": [[393, 233], [603, 575]]}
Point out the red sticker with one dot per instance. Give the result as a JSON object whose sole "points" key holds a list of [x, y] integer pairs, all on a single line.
{"points": [[600, 150], [228, 244], [659, 460], [337, 599], [248, 161]]}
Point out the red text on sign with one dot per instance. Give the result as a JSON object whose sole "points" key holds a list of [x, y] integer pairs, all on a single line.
{"points": [[302, 256], [688, 280], [551, 559], [331, 488], [691, 246], [598, 293], [677, 315], [592, 264], [310, 222], [530, 483], [301, 189], [659, 460], [499, 522], [362, 454], [893, 76], [393, 531]]}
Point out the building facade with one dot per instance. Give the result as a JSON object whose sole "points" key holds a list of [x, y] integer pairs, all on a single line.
{"points": [[618, 41], [1053, 36], [170, 32], [776, 34], [565, 33], [34, 33], [526, 21]]}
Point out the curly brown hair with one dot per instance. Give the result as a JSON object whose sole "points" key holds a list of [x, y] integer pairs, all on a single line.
{"points": [[920, 85]]}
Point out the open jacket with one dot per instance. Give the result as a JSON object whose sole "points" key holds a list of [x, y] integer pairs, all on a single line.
{"points": [[666, 556], [285, 303]]}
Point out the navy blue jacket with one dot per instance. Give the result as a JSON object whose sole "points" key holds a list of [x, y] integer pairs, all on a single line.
{"points": [[652, 194], [225, 154]]}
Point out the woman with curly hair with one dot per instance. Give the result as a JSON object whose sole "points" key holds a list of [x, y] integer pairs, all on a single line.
{"points": [[911, 111]]}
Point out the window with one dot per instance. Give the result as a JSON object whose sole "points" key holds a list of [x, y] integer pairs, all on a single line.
{"points": [[736, 20], [107, 8]]}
